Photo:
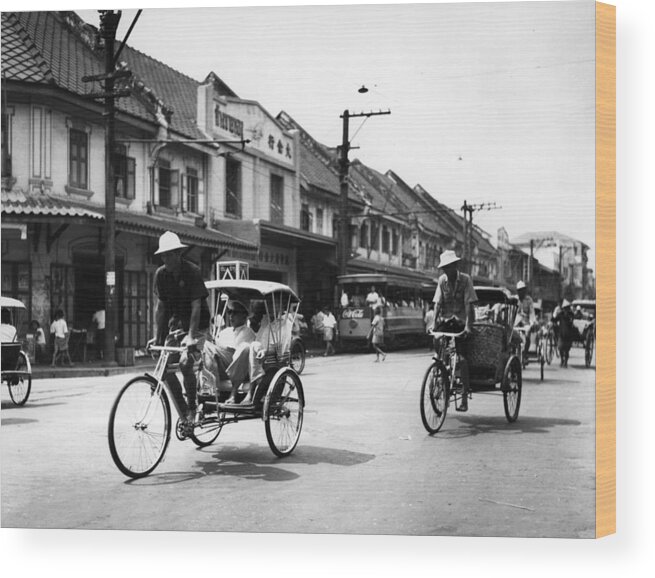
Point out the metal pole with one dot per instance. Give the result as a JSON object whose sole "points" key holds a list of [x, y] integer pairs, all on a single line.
{"points": [[344, 221], [109, 20]]}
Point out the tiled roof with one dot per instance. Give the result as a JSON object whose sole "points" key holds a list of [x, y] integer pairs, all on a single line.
{"points": [[21, 60], [18, 203], [59, 48]]}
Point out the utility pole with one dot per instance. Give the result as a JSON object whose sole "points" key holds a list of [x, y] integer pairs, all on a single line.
{"points": [[109, 20], [531, 263], [344, 165], [468, 211]]}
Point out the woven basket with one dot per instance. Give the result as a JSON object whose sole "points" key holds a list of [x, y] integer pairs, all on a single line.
{"points": [[487, 345]]}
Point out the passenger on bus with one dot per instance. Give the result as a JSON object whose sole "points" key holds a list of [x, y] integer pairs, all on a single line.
{"points": [[372, 299]]}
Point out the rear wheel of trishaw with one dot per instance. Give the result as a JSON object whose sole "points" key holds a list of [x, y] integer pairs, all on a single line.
{"points": [[283, 411], [21, 385], [511, 387], [139, 427], [589, 347], [297, 356], [434, 397]]}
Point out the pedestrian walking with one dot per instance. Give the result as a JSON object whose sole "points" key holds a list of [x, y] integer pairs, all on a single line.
{"points": [[329, 323], [98, 321], [564, 323], [59, 329], [377, 334]]}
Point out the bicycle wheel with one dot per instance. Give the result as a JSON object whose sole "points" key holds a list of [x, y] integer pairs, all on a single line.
{"points": [[511, 386], [283, 412], [21, 385], [297, 356], [139, 427], [434, 397], [542, 362], [589, 348], [550, 346], [207, 430]]}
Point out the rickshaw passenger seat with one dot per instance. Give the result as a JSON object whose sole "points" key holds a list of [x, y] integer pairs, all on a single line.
{"points": [[10, 352]]}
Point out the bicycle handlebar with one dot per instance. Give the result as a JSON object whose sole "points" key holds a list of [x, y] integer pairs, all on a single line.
{"points": [[168, 348], [438, 334]]}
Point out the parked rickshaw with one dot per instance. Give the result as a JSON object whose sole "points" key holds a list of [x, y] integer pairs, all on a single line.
{"points": [[493, 364], [16, 368], [140, 420], [584, 325]]}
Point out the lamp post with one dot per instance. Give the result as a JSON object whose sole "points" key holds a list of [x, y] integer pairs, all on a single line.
{"points": [[109, 20], [343, 243]]}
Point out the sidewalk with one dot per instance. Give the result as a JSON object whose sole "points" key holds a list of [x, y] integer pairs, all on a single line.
{"points": [[91, 369], [100, 368]]}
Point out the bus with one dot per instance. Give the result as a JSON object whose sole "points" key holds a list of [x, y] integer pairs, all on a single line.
{"points": [[403, 304]]}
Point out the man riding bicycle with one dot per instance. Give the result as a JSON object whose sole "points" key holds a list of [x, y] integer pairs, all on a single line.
{"points": [[182, 298], [453, 307]]}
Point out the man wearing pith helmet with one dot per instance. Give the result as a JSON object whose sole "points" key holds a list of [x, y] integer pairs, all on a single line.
{"points": [[453, 306], [181, 296]]}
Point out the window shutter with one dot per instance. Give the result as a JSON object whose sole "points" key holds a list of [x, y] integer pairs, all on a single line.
{"points": [[183, 203], [131, 179]]}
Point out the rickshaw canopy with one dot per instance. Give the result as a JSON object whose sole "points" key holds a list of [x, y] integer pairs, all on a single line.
{"points": [[11, 303], [250, 289]]}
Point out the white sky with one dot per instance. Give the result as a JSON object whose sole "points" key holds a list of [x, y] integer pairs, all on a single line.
{"points": [[489, 101]]}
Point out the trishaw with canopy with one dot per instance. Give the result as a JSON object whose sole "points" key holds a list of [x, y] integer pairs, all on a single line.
{"points": [[140, 420]]}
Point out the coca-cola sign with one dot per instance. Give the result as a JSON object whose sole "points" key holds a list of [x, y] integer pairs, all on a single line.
{"points": [[352, 314]]}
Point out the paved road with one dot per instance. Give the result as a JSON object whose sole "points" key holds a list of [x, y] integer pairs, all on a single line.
{"points": [[364, 463]]}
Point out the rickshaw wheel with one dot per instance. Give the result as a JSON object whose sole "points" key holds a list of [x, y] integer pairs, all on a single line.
{"points": [[297, 356], [21, 385], [283, 411], [139, 427], [512, 385], [434, 397], [550, 349], [205, 434], [589, 348]]}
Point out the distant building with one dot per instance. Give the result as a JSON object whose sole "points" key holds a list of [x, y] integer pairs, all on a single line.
{"points": [[564, 254]]}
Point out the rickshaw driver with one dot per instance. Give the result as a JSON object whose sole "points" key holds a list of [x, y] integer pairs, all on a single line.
{"points": [[454, 304], [181, 293]]}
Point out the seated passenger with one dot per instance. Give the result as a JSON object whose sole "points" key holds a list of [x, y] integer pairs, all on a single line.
{"points": [[232, 346], [273, 335]]}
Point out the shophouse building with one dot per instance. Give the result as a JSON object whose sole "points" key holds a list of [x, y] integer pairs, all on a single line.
{"points": [[53, 177]]}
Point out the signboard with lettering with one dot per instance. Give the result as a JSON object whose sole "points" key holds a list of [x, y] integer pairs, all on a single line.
{"points": [[248, 120]]}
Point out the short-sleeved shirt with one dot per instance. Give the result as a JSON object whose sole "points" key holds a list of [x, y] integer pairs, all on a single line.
{"points": [[454, 300], [526, 312], [178, 294]]}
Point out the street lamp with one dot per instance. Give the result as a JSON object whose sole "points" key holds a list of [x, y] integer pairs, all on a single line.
{"points": [[344, 164]]}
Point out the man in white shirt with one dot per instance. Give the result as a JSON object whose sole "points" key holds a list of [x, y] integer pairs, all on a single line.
{"points": [[233, 345]]}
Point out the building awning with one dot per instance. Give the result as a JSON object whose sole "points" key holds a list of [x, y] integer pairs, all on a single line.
{"points": [[21, 207], [188, 233], [266, 233]]}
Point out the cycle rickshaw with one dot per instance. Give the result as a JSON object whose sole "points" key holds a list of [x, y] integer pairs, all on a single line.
{"points": [[140, 419], [16, 368], [585, 326], [493, 363]]}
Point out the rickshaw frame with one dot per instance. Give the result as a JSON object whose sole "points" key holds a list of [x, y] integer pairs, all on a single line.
{"points": [[19, 377], [278, 398], [489, 369]]}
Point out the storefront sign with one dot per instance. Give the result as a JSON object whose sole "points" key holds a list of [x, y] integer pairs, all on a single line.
{"points": [[227, 122]]}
